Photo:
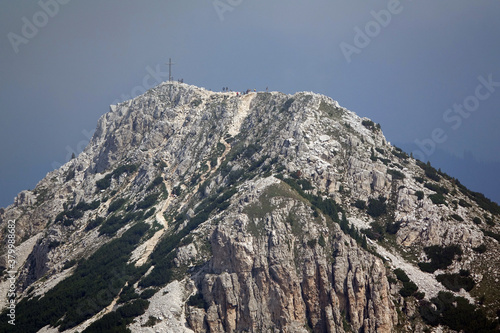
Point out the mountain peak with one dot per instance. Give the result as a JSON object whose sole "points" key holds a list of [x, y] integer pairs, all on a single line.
{"points": [[261, 211]]}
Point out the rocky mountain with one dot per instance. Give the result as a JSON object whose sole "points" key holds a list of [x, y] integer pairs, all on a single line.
{"points": [[197, 211]]}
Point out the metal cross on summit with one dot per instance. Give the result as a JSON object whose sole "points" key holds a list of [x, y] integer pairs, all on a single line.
{"points": [[170, 63]]}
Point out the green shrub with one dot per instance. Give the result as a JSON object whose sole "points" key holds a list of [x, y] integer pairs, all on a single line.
{"points": [[419, 194], [117, 204], [251, 149], [398, 152], [148, 293], [457, 217], [436, 188], [401, 275], [312, 243], [368, 124], [377, 207], [69, 264], [476, 220], [419, 295], [70, 175], [480, 199], [148, 201], [464, 203], [157, 181], [74, 214], [286, 106], [455, 281], [60, 216], [114, 223], [128, 293], [213, 161], [437, 199], [104, 183], [197, 301], [321, 241], [409, 288], [489, 220], [440, 257], [134, 309], [53, 244], [234, 176], [94, 204], [360, 204], [305, 184], [456, 313], [94, 223], [149, 213], [396, 174], [118, 320], [491, 234], [393, 227], [177, 191], [375, 232], [419, 180], [67, 222], [127, 168]]}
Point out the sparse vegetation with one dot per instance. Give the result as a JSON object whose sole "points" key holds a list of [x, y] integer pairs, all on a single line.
{"points": [[70, 175], [456, 313], [117, 204], [68, 216], [440, 257], [393, 227], [93, 285], [148, 201], [377, 207], [105, 182], [479, 198], [94, 223], [491, 234], [419, 194], [157, 181], [437, 188], [197, 301], [360, 204], [457, 281], [118, 320], [368, 124], [115, 222], [437, 199], [419, 180], [409, 287], [398, 152], [396, 174], [163, 255], [429, 171], [464, 203]]}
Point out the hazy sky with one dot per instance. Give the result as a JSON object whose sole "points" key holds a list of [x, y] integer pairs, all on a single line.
{"points": [[415, 67]]}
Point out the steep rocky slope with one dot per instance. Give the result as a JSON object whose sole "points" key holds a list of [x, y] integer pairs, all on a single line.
{"points": [[195, 211]]}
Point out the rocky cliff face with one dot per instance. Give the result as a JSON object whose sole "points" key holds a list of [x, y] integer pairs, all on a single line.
{"points": [[195, 211]]}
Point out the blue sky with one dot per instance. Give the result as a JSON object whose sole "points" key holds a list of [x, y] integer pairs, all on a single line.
{"points": [[64, 62]]}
